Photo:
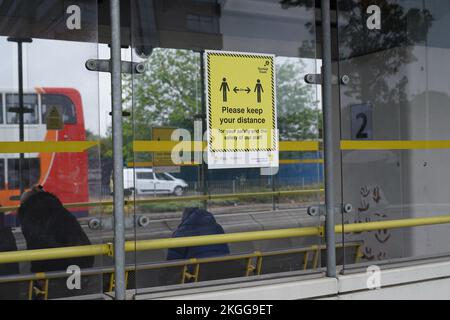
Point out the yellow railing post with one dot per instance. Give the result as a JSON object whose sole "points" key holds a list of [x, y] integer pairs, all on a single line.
{"points": [[259, 262], [197, 272], [46, 289], [250, 268], [30, 290], [111, 282], [305, 263]]}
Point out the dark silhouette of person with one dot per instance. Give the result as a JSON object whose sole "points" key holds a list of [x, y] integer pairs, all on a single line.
{"points": [[46, 223], [258, 90], [8, 291], [224, 88], [197, 222]]}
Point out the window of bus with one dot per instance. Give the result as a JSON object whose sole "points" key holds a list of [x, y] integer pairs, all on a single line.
{"points": [[30, 103], [62, 103], [30, 169]]}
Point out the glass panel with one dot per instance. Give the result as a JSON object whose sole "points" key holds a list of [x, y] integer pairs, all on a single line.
{"points": [[50, 41], [397, 92], [170, 38]]}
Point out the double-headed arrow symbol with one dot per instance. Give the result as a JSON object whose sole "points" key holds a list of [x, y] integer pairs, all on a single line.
{"points": [[236, 90]]}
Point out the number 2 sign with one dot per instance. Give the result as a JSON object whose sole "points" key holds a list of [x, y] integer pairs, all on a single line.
{"points": [[361, 121]]}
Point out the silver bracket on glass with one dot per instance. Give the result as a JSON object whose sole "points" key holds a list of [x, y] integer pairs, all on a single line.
{"points": [[108, 223], [318, 79], [105, 66], [315, 211], [313, 79]]}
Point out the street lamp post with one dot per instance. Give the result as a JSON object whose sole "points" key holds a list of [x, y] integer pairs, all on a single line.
{"points": [[21, 108]]}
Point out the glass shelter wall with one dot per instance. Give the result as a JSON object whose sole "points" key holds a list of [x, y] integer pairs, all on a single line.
{"points": [[169, 98], [55, 131], [394, 115], [56, 148], [43, 47]]}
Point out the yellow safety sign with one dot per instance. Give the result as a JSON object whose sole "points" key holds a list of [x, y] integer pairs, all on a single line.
{"points": [[241, 110]]}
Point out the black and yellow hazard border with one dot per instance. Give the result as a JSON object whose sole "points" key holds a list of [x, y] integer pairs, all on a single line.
{"points": [[208, 55]]}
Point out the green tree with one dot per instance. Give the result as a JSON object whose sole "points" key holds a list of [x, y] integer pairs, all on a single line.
{"points": [[168, 94], [298, 116]]}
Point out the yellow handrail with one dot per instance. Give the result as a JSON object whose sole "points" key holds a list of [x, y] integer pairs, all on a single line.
{"points": [[156, 244], [55, 253], [250, 268], [392, 224], [106, 249]]}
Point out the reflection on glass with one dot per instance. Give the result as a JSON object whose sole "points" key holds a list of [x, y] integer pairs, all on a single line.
{"points": [[30, 172], [62, 103], [30, 104], [170, 93], [48, 19], [401, 71], [66, 174]]}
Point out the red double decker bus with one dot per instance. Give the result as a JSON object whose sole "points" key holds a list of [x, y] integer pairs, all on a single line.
{"points": [[62, 173]]}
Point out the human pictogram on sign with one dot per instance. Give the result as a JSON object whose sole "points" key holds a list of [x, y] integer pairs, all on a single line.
{"points": [[258, 90], [224, 88]]}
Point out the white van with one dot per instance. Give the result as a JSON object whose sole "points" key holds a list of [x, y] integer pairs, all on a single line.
{"points": [[148, 182]]}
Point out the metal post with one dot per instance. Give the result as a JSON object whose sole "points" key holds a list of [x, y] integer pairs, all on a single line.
{"points": [[204, 167], [274, 199], [328, 138], [21, 109], [116, 92]]}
